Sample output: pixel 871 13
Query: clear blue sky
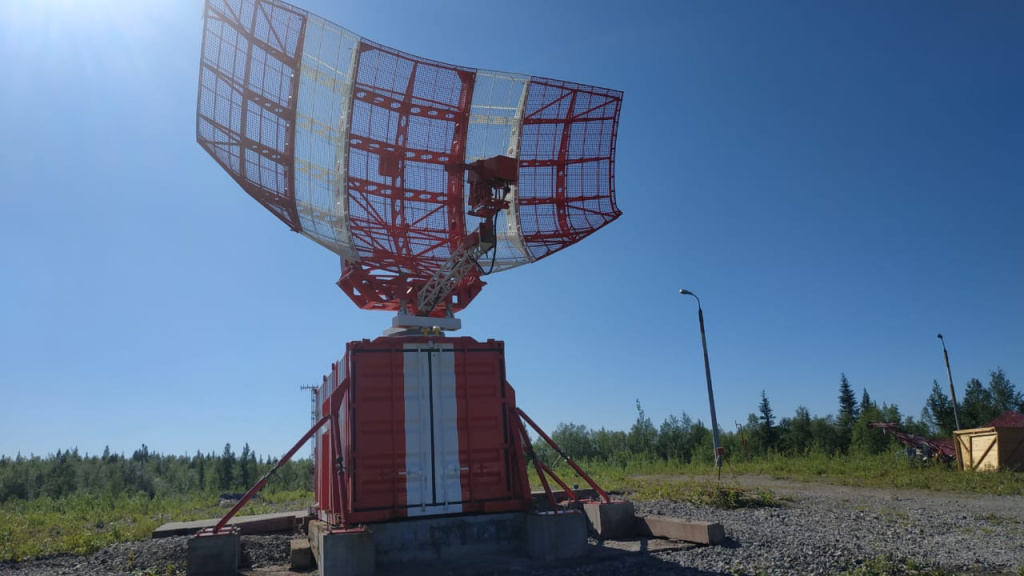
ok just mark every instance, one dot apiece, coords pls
pixel 838 181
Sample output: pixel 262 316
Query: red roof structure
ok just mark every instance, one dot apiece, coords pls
pixel 1008 419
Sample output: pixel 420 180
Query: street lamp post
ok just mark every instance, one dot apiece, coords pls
pixel 952 391
pixel 707 373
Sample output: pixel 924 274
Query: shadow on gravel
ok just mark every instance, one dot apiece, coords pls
pixel 648 557
pixel 642 556
pixel 729 543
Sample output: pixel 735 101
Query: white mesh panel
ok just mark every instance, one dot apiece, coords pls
pixel 495 121
pixel 325 91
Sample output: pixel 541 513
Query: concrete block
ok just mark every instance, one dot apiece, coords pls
pixel 676 529
pixel 347 553
pixel 551 536
pixel 302 555
pixel 316 528
pixel 214 555
pixel 611 519
pixel 258 524
pixel 449 538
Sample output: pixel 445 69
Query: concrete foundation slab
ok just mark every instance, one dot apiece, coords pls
pixel 640 545
pixel 542 504
pixel 216 555
pixel 449 537
pixel 347 553
pixel 611 519
pixel 551 536
pixel 256 524
pixel 665 527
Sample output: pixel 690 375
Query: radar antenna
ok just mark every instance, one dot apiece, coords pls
pixel 423 177
pixel 389 159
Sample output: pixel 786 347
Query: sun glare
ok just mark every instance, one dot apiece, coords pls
pixel 83 33
pixel 83 13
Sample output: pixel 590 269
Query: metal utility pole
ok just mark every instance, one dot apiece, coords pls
pixel 952 391
pixel 719 451
pixel 312 414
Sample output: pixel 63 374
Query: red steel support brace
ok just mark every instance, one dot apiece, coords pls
pixel 588 479
pixel 263 481
pixel 537 464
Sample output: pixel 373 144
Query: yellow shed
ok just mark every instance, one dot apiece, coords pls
pixel 998 445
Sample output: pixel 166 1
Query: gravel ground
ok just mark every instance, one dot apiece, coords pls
pixel 159 557
pixel 816 529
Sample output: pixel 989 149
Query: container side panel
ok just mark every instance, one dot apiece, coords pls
pixel 519 481
pixel 485 446
pixel 377 428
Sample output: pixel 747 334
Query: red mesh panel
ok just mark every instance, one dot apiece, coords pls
pixel 409 119
pixel 566 163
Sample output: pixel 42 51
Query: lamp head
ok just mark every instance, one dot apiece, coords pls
pixel 684 292
pixel 940 336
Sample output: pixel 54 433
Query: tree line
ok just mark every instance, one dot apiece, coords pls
pixel 678 438
pixel 682 439
pixel 979 405
pixel 155 475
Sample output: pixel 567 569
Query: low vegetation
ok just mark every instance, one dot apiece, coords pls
pixel 70 503
pixel 839 449
pixel 698 483
pixel 82 524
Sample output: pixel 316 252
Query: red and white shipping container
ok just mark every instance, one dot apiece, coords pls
pixel 426 426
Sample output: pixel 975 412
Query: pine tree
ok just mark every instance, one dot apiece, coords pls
pixel 767 422
pixel 200 463
pixel 977 408
pixel 798 438
pixel 865 401
pixel 848 412
pixel 643 436
pixel 847 399
pixel 1004 394
pixel 940 411
pixel 245 468
pixel 227 468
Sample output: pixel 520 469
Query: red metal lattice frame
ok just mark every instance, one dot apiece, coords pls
pixel 566 163
pixel 247 93
pixel 409 120
pixel 381 178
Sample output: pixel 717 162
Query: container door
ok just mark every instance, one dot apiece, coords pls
pixel 419 482
pixel 432 470
pixel 447 465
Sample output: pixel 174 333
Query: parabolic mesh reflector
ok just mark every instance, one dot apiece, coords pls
pixel 364 148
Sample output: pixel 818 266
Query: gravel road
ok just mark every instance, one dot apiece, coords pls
pixel 816 529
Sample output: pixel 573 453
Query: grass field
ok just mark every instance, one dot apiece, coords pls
pixel 639 478
pixel 81 524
